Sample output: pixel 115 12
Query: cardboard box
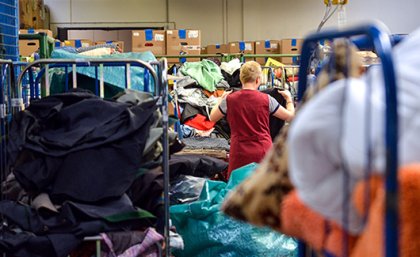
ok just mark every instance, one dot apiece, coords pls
pixel 32 14
pixel 267 47
pixel 203 50
pixel 38 14
pixel 217 49
pixel 25 14
pixel 119 44
pixel 78 43
pixel 35 31
pixel 183 42
pixel 28 47
pixel 149 40
pixel 247 47
pixel 290 46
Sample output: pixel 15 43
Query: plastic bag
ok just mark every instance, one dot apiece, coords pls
pixel 207 232
pixel 186 189
pixel 112 75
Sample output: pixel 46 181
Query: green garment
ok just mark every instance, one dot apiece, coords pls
pixel 206 73
pixel 207 232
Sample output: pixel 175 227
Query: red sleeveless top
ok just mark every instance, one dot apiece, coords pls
pixel 248 116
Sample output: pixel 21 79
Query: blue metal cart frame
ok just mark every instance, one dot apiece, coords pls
pixel 373 35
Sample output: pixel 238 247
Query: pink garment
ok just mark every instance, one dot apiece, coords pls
pixel 147 248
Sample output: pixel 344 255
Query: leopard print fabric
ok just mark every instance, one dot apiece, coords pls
pixel 258 199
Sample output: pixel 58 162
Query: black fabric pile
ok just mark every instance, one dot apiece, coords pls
pixel 234 79
pixel 275 123
pixel 84 153
pixel 151 182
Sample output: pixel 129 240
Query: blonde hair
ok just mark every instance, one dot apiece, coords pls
pixel 250 71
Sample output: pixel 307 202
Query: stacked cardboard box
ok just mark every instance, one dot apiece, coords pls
pixel 266 47
pixel 28 47
pixel 149 40
pixel 291 46
pixel 217 49
pixel 183 42
pixel 247 47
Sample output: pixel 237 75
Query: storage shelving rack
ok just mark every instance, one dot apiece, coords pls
pixel 9 29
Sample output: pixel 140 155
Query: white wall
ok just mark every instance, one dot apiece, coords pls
pixel 199 14
pixel 284 18
pixel 231 20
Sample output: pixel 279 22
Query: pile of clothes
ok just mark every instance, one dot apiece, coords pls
pixel 73 159
pixel 198 86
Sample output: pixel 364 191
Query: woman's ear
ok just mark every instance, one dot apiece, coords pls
pixel 258 80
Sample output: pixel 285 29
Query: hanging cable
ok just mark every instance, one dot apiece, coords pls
pixel 327 16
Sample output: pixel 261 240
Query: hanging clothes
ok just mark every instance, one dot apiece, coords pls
pixel 338 126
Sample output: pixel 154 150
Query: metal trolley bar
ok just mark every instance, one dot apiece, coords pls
pixel 54 63
pixel 6 74
pixel 159 76
pixel 380 40
pixel 163 77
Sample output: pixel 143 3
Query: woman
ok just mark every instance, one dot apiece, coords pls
pixel 248 112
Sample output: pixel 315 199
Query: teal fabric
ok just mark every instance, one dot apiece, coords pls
pixel 207 232
pixel 58 82
pixel 206 73
pixel 112 75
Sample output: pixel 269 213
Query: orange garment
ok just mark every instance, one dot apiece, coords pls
pixel 371 242
pixel 307 225
pixel 216 93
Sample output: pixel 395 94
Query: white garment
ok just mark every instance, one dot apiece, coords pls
pixel 232 66
pixel 331 129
